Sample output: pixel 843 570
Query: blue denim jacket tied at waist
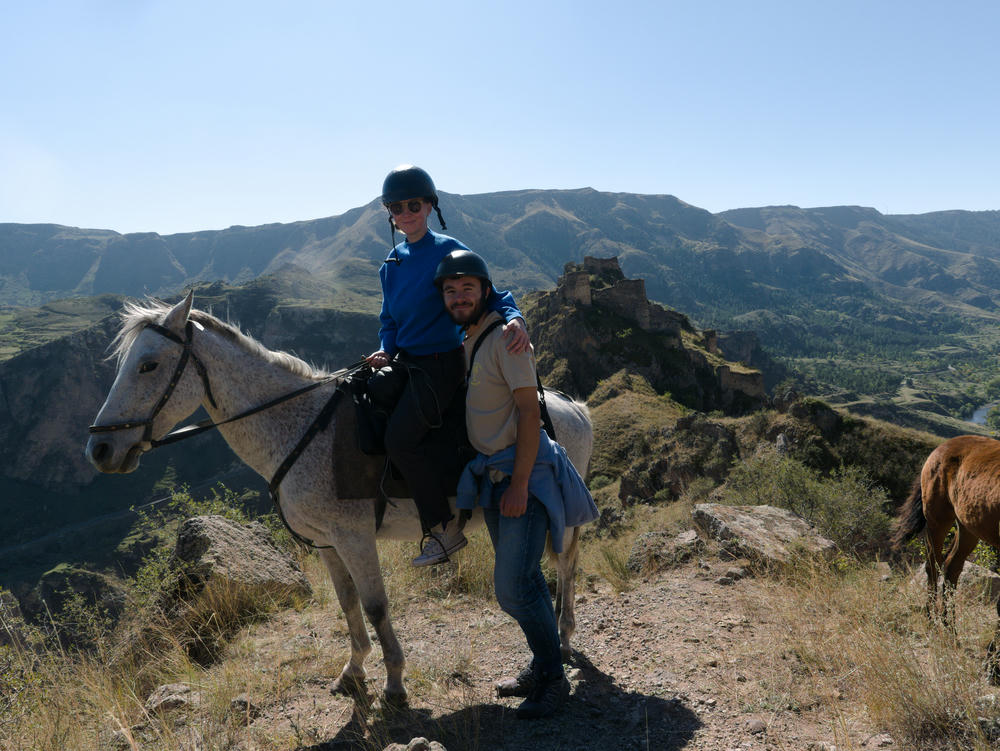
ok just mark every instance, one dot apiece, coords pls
pixel 554 481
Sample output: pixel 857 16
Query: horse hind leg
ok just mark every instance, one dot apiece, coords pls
pixel 965 542
pixel 565 605
pixel 937 526
pixel 351 680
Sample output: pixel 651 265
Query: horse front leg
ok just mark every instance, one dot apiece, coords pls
pixel 360 555
pixel 351 680
pixel 565 605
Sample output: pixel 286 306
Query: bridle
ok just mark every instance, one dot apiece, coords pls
pixel 320 423
pixel 186 354
pixel 190 431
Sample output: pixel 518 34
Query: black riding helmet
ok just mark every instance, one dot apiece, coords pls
pixel 462 263
pixel 407 181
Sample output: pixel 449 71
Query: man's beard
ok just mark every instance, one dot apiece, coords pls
pixel 469 316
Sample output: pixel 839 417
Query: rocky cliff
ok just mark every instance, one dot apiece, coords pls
pixel 596 323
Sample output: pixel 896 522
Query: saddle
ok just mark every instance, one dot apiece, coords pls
pixel 361 427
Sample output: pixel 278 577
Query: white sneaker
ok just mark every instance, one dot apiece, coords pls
pixel 438 546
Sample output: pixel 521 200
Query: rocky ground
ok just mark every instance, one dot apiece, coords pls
pixel 690 658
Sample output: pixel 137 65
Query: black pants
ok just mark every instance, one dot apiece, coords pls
pixel 421 388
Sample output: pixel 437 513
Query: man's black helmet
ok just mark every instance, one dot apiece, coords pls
pixel 407 181
pixel 462 263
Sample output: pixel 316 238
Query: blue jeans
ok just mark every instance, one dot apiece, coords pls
pixel 520 585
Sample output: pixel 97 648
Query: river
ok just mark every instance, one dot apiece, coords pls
pixel 979 416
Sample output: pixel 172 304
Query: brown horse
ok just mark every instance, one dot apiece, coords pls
pixel 959 485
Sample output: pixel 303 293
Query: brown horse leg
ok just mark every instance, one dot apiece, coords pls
pixel 940 517
pixel 934 541
pixel 965 543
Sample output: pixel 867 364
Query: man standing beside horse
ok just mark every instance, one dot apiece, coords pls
pixel 527 486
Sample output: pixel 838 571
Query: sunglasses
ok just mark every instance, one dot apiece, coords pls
pixel 413 206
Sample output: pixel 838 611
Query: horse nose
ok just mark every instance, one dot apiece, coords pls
pixel 98 452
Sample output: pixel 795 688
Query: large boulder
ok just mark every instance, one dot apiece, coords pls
pixel 241 557
pixel 766 534
pixel 83 605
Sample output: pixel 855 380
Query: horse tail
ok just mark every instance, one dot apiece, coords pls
pixel 911 517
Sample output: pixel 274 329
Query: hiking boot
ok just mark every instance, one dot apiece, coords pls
pixel 545 699
pixel 521 686
pixel 438 546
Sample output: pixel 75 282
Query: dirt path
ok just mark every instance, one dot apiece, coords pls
pixel 686 660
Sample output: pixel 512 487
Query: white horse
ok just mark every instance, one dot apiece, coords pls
pixel 233 373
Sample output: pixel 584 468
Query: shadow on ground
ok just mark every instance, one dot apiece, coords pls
pixel 599 714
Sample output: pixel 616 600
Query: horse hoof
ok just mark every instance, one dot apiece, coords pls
pixel 352 686
pixel 395 701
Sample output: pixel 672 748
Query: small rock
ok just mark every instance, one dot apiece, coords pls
pixel 756 726
pixel 879 741
pixel 574 674
pixel 241 707
pixel 170 697
pixel 417 744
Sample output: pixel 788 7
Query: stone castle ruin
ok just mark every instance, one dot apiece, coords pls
pixel 698 371
pixel 600 281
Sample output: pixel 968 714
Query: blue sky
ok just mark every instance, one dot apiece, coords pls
pixel 148 115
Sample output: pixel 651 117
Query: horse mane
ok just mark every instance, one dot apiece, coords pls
pixel 135 315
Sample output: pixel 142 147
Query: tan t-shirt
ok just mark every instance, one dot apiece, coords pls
pixel 490 411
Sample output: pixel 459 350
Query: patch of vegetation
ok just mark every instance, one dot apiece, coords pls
pixel 847 507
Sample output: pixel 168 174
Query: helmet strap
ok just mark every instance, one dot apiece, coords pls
pixel 393 255
pixel 440 218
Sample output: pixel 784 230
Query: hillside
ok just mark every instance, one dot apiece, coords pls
pixel 852 300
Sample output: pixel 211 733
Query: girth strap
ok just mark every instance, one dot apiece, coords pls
pixel 321 423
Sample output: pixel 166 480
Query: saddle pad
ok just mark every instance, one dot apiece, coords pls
pixel 358 475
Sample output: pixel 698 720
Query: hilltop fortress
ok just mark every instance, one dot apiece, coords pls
pixel 596 322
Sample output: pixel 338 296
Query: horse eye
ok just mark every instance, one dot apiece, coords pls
pixel 147 367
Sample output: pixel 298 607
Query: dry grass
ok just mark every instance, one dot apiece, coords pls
pixel 839 641
pixel 852 643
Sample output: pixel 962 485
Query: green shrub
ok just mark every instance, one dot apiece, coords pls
pixel 599 481
pixel 846 507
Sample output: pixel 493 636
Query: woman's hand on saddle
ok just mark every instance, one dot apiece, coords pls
pixel 378 359
pixel 516 333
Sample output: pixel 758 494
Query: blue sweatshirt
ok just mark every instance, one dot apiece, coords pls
pixel 413 315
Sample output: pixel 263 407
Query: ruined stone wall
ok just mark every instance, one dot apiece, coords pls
pixel 751 384
pixel 603 266
pixel 627 298
pixel 574 287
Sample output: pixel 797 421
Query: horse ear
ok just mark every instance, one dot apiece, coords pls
pixel 178 315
